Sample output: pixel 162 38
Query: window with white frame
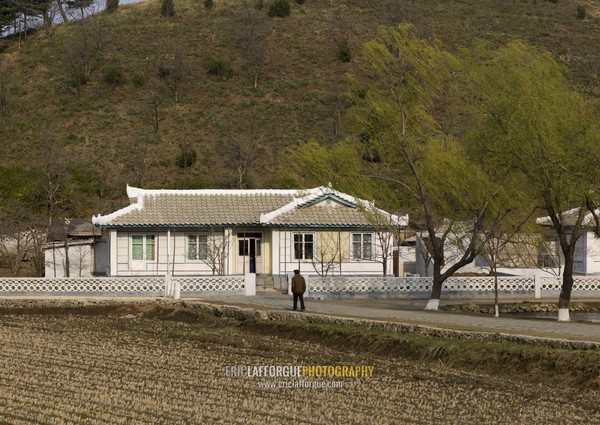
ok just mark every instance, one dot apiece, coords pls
pixel 304 246
pixel 143 247
pixel 197 247
pixel 362 246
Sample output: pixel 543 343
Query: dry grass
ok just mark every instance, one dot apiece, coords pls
pixel 105 369
pixel 107 132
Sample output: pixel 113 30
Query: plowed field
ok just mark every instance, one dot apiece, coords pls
pixel 117 368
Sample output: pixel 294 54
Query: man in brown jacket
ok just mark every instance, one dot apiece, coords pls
pixel 298 289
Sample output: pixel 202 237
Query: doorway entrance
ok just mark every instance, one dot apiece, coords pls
pixel 249 259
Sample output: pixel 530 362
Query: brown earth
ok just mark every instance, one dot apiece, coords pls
pixel 166 364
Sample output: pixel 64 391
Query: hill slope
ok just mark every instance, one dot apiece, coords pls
pixel 132 97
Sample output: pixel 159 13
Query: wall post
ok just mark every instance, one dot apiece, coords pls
pixel 250 284
pixel 168 283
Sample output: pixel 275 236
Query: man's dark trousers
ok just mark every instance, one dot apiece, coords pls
pixel 301 297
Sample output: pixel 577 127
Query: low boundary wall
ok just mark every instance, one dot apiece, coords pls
pixel 317 287
pixel 154 286
pixel 460 287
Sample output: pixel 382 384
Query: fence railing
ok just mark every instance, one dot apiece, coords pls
pixel 169 286
pixel 401 287
pixel 419 287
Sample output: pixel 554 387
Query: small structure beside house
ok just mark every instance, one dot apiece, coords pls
pixel 586 260
pixel 82 242
pixel 522 255
pixel 227 232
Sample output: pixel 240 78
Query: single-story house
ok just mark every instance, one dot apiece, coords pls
pixel 272 232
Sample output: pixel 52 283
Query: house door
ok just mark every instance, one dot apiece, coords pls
pixel 249 258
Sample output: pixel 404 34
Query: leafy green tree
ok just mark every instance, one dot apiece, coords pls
pixel 404 149
pixel 529 123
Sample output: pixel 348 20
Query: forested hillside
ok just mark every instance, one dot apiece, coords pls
pixel 213 97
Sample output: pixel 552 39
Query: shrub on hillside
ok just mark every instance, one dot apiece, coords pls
pixel 168 8
pixel 219 67
pixel 344 52
pixel 112 6
pixel 114 75
pixel 300 1
pixel 208 4
pixel 164 71
pixel 186 157
pixel 138 80
pixel 279 8
pixel 581 12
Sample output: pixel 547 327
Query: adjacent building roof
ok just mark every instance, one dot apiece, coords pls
pixel 569 218
pixel 73 228
pixel 318 207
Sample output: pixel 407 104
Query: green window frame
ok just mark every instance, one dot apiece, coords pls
pixel 143 247
pixel 304 244
pixel 197 247
pixel 362 246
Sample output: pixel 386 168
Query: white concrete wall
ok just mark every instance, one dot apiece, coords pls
pixel 81 261
pixel 592 257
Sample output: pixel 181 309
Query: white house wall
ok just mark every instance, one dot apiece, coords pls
pixel 284 263
pixel 581 255
pixel 175 261
pixel 592 257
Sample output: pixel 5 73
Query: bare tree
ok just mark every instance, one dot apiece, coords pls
pixel 341 30
pixel 81 258
pixel 54 182
pixel 139 158
pixel 244 154
pixel 502 241
pixel 82 52
pixel 328 254
pixel 37 254
pixel 217 249
pixel 173 67
pixel 387 231
pixel 61 9
pixel 5 78
pixel 15 235
pixel 255 32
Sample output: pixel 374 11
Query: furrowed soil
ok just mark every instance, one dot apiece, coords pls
pixel 170 365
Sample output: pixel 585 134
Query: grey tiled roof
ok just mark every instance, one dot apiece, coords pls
pixel 338 216
pixel 237 208
pixel 182 210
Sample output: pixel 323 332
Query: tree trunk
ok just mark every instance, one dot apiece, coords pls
pixel 61 9
pixel 565 292
pixel 436 287
pixel 496 307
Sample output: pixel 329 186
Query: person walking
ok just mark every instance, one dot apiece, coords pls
pixel 298 289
